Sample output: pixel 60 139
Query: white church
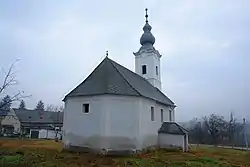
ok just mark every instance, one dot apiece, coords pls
pixel 116 110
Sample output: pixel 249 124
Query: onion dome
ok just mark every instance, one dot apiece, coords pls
pixel 147 37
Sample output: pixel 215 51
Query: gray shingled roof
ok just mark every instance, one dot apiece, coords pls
pixel 172 128
pixel 41 125
pixel 110 77
pixel 33 116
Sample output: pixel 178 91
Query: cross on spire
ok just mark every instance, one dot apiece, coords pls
pixel 107 53
pixel 146 14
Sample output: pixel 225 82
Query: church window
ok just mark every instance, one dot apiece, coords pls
pixel 161 115
pixel 156 70
pixel 152 114
pixel 144 69
pixel 170 115
pixel 85 108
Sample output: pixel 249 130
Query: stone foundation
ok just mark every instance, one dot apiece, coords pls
pixel 99 151
pixel 112 152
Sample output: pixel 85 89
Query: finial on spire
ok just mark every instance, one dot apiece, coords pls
pixel 147 37
pixel 107 53
pixel 146 14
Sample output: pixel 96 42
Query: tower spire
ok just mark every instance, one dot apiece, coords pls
pixel 146 10
pixel 147 37
pixel 147 59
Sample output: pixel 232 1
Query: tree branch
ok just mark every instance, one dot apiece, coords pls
pixel 8 81
pixel 16 97
pixel 9 78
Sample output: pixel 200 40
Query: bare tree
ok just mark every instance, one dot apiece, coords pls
pixel 61 108
pixel 196 132
pixel 9 80
pixel 245 133
pixel 213 129
pixel 216 126
pixel 54 108
pixel 232 127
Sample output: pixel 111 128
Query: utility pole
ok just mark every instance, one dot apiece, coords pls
pixel 245 133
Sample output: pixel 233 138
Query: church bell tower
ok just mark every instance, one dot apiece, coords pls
pixel 147 59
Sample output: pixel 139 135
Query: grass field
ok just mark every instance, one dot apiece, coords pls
pixel 47 153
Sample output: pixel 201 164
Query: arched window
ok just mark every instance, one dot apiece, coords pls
pixel 170 115
pixel 162 115
pixel 152 114
pixel 144 69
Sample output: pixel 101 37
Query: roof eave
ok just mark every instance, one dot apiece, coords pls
pixel 98 94
pixel 167 104
pixel 64 99
pixel 160 102
pixel 172 133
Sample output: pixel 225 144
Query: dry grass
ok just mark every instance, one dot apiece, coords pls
pixel 30 143
pixel 48 153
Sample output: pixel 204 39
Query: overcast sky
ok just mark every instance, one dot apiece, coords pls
pixel 205 46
